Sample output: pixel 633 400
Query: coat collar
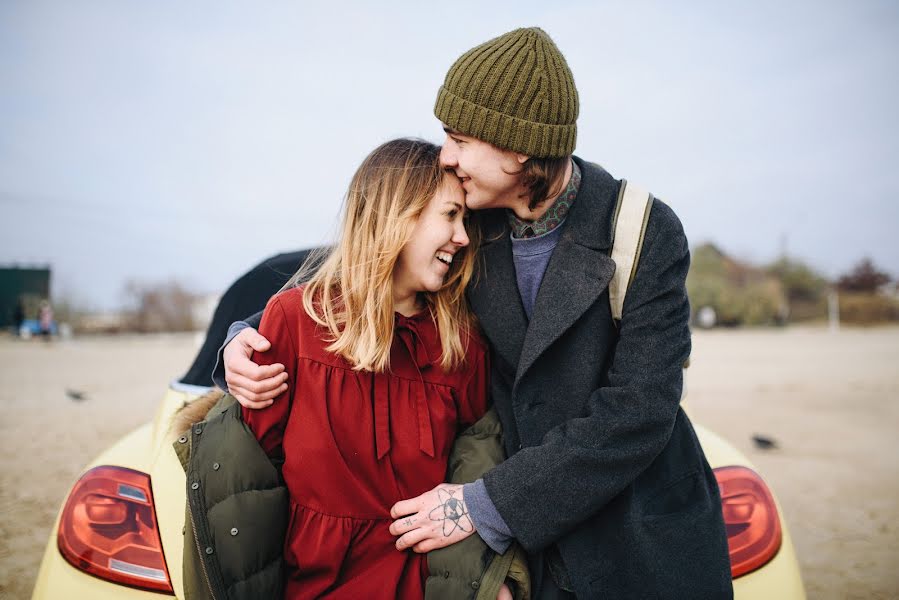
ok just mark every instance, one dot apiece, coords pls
pixel 578 273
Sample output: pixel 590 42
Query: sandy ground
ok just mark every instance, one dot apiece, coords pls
pixel 829 400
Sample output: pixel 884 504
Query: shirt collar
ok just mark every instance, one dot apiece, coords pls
pixel 554 215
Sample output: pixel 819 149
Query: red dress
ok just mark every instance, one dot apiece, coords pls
pixel 355 443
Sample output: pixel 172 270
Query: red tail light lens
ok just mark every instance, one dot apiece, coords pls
pixel 750 518
pixel 108 529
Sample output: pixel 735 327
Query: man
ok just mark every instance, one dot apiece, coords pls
pixel 606 486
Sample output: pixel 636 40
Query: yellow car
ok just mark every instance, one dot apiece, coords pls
pixel 119 533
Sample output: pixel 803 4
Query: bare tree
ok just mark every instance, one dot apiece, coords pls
pixel 864 277
pixel 160 306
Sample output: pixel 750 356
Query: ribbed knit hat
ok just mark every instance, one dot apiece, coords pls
pixel 516 92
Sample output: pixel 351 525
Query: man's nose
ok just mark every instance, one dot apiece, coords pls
pixel 448 156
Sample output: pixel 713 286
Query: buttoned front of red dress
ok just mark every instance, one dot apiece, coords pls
pixel 357 442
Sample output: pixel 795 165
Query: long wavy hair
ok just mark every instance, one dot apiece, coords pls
pixel 349 287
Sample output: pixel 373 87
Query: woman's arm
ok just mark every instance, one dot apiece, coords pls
pixel 253 385
pixel 277 327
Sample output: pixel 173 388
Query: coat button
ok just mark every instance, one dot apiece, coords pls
pixel 198 430
pixel 209 550
pixel 195 486
pixel 446 574
pixel 520 446
pixel 234 531
pixel 182 439
pixel 184 530
pixel 475 585
pixel 215 466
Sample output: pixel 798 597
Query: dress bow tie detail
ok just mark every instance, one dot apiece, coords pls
pixel 406 332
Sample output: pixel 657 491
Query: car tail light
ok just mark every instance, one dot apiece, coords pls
pixel 750 518
pixel 108 529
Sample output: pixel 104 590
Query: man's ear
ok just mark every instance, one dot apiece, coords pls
pixel 522 158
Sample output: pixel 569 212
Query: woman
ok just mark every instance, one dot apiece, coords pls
pixel 384 367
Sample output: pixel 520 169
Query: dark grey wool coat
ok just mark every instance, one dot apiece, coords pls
pixel 603 462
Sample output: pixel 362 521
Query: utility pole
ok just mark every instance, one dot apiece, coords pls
pixel 833 310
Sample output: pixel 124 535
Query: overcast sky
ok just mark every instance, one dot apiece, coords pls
pixel 149 140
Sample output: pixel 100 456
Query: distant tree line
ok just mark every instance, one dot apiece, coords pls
pixel 729 292
pixel 733 292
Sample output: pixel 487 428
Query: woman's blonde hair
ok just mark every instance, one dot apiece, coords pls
pixel 349 290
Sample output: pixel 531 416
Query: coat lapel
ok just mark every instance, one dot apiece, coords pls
pixel 575 279
pixel 580 268
pixel 495 299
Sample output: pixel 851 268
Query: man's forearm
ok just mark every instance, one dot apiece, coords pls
pixel 487 520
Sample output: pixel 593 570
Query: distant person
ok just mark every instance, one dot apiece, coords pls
pixel 45 319
pixel 606 486
pixel 19 316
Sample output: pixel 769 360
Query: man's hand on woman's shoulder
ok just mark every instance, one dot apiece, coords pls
pixel 253 386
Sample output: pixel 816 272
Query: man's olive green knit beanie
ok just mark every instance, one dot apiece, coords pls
pixel 516 92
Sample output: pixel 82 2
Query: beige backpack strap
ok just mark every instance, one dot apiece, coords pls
pixel 629 225
pixel 631 216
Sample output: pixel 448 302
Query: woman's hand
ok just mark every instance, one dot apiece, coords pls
pixel 433 520
pixel 504 593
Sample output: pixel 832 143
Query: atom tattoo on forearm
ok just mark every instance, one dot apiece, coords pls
pixel 452 512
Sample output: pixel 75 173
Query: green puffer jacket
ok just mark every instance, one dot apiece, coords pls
pixel 237 511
